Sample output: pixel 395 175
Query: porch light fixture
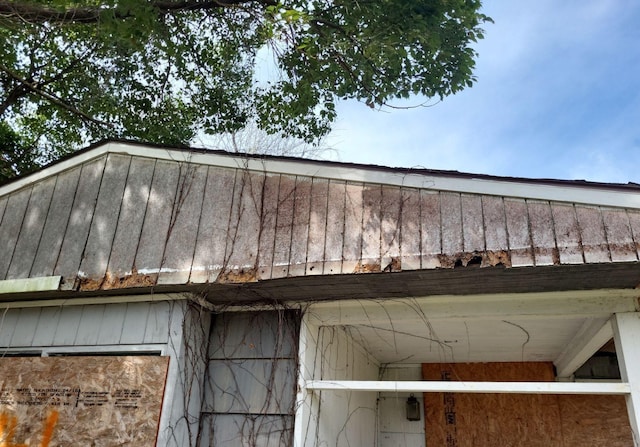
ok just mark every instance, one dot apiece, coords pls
pixel 413 409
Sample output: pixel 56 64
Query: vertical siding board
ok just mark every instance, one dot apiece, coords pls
pixel 284 222
pixel 317 226
pixel 45 332
pixel 3 205
pixel 542 233
pixel 80 219
pixel 67 328
pixel 11 225
pixel 55 223
pixel 132 211
pixel 634 223
pixel 518 230
pixel 495 225
pixel 268 226
pixel 26 325
pixel 431 228
pixel 31 232
pixel 619 236
pixel 214 223
pixel 90 323
pixel 334 239
pixel 410 229
pixel 158 322
pixel 157 220
pixel 105 220
pixel 300 229
pixel 451 216
pixel 592 234
pixel 8 323
pixel 352 247
pixel 390 221
pixel 244 227
pixel 134 324
pixel 112 323
pixel 371 228
pixel 181 242
pixel 472 223
pixel 567 234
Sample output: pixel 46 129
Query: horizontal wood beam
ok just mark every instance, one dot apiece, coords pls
pixel 591 337
pixel 617 388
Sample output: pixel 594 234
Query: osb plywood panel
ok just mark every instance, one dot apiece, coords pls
pixel 519 420
pixel 97 401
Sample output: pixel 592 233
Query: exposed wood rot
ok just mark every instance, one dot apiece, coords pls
pixel 239 276
pixel 367 268
pixel 111 281
pixel 489 258
pixel 394 266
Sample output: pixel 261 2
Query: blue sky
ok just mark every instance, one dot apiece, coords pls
pixel 558 96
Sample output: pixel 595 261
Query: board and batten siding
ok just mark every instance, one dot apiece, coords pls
pixel 120 221
pixel 170 328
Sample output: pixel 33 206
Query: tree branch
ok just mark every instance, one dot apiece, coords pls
pixel 34 87
pixel 26 11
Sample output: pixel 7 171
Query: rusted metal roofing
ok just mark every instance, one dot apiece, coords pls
pixel 122 221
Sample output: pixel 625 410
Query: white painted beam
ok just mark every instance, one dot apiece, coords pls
pixel 617 388
pixel 591 337
pixel 626 332
pixel 558 305
pixel 41 284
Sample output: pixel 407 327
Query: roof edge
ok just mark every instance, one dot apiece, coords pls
pixel 583 192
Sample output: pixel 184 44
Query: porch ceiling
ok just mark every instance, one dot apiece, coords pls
pixel 563 327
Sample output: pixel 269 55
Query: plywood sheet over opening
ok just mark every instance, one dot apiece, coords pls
pixel 518 420
pixel 62 401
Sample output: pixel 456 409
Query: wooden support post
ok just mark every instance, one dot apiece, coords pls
pixel 626 332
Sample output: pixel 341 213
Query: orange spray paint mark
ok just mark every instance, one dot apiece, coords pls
pixel 49 425
pixel 9 423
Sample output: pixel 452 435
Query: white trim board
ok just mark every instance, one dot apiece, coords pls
pixel 616 388
pixel 584 194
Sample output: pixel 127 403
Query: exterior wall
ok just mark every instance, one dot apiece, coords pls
pixel 250 393
pixel 335 418
pixel 395 430
pixel 171 328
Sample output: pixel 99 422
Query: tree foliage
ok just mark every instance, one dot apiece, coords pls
pixel 163 71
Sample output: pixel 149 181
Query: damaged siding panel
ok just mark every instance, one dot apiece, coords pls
pixel 11 226
pixel 241 255
pixel 352 245
pixel 592 234
pixel 410 234
pixel 300 228
pixel 334 239
pixel 430 228
pixel 130 220
pixel 268 226
pixel 617 225
pixel 567 234
pixel 55 224
pixel 157 223
pixel 77 230
pixel 317 226
pixel 371 229
pixel 214 223
pixel 518 231
pixel 543 237
pixel 31 231
pixel 495 231
pixel 181 242
pixel 390 220
pixel 284 223
pixel 105 220
pixel 452 232
pixel 472 223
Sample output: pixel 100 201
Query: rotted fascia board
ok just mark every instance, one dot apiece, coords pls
pixel 30 285
pixel 587 194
